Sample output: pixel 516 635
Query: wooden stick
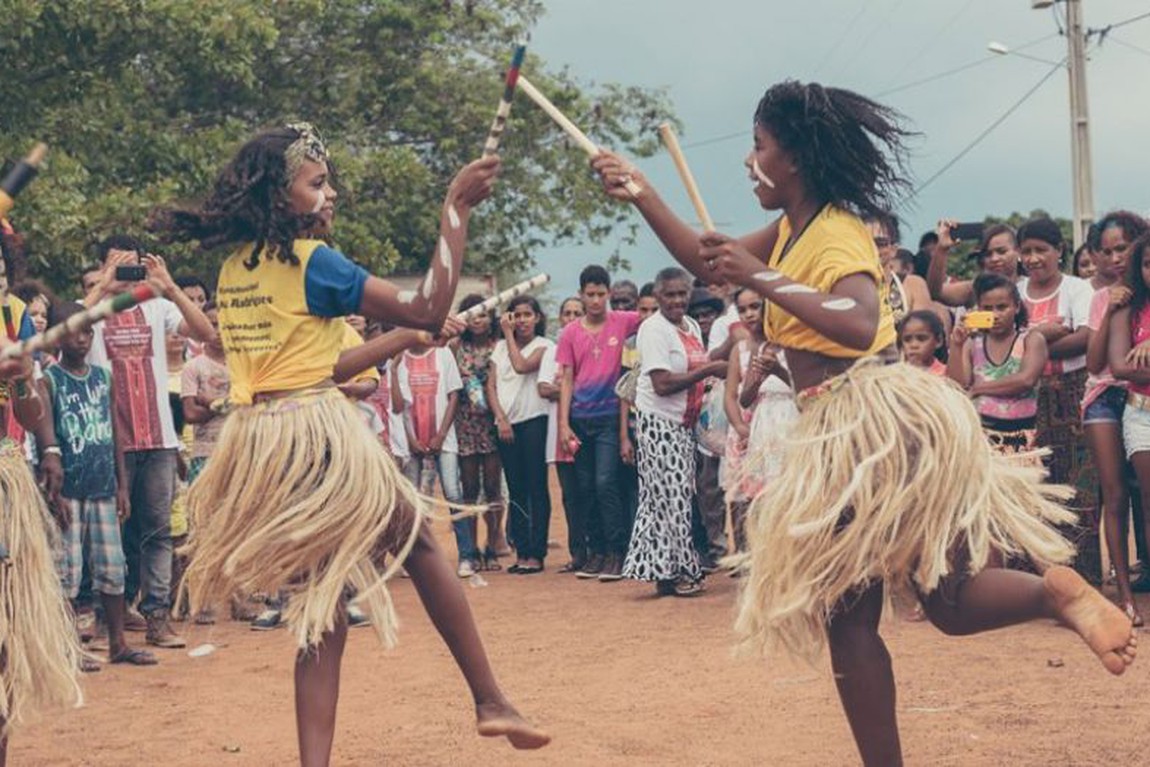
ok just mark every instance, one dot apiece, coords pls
pixel 19 177
pixel 572 130
pixel 671 141
pixel 515 290
pixel 80 321
pixel 496 132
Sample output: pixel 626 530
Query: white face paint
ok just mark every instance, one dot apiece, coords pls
pixel 406 296
pixel 319 202
pixel 452 217
pixel 762 177
pixel 770 275
pixel 429 285
pixel 796 288
pixel 445 255
pixel 839 304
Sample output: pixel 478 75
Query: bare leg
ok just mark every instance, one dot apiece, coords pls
pixel 493 492
pixel 316 696
pixel 446 605
pixel 1105 442
pixel 864 677
pixel 995 598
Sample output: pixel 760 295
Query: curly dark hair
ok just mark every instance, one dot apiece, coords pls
pixel 984 283
pixel 1140 294
pixel 848 148
pixel 249 203
pixel 465 303
pixel 1132 225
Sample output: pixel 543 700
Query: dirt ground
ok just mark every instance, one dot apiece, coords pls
pixel 619 677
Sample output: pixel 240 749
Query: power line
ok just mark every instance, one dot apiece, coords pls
pixel 931 41
pixel 865 44
pixel 1118 24
pixel 978 139
pixel 1125 44
pixel 939 76
pixel 847 30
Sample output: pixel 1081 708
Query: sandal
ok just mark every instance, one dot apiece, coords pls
pixel 1132 613
pixel 516 568
pixel 89 665
pixel 133 656
pixel 685 587
pixel 490 561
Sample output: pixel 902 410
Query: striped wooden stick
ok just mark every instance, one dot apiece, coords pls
pixel 80 320
pixel 492 144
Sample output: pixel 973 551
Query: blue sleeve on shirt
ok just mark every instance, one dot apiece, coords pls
pixel 27 329
pixel 333 285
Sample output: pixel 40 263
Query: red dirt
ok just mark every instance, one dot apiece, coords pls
pixel 618 677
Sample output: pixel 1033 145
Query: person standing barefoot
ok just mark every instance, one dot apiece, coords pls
pixel 930 505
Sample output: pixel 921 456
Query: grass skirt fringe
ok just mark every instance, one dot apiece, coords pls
pixel 886 477
pixel 39 651
pixel 300 495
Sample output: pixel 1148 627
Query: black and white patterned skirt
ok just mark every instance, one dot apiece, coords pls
pixel 661 548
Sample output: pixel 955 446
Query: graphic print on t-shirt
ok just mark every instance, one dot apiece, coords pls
pixel 423 380
pixel 129 346
pixel 83 421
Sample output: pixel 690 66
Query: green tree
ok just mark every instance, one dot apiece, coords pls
pixel 144 100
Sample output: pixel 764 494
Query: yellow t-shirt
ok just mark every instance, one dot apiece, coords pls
pixel 351 339
pixel 835 245
pixel 282 324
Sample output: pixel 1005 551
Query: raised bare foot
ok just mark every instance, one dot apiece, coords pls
pixel 496 720
pixel 1102 625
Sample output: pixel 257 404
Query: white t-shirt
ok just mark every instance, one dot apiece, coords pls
pixel 132 345
pixel 1070 303
pixel 425 380
pixel 661 348
pixel 518 394
pixel 396 433
pixel 721 328
pixel 549 373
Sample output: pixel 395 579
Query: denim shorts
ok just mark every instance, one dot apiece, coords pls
pixel 1107 407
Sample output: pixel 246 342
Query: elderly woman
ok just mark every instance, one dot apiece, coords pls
pixel 668 398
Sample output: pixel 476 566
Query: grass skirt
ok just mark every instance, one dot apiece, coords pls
pixel 887 476
pixel 39 651
pixel 300 495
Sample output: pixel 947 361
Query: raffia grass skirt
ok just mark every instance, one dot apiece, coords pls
pixel 299 495
pixel 886 476
pixel 39 650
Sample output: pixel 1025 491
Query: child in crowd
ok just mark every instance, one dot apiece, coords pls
pixel 1001 367
pixel 758 398
pixel 80 404
pixel 922 340
pixel 429 384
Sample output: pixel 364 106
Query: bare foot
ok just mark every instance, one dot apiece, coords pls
pixel 1102 625
pixel 502 720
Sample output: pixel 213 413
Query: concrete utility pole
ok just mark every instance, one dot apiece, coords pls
pixel 1082 167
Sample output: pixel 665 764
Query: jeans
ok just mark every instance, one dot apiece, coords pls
pixel 597 469
pixel 148 532
pixel 576 523
pixel 524 465
pixel 709 520
pixel 447 467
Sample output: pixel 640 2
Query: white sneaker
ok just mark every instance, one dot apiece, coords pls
pixel 466 569
pixel 268 620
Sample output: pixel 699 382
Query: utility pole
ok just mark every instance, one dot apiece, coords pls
pixel 1082 167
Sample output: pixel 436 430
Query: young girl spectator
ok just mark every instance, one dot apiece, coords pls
pixel 479 464
pixel 1105 400
pixel 1059 307
pixel 1083 266
pixel 557 452
pixel 1001 367
pixel 758 397
pixel 521 418
pixel 1129 357
pixel 674 365
pixel 922 341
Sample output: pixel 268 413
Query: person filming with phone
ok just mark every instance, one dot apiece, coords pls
pixel 132 345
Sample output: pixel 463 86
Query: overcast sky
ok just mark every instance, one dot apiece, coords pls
pixel 716 57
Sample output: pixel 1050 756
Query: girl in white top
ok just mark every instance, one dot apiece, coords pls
pixel 668 398
pixel 521 418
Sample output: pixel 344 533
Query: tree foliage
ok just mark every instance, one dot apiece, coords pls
pixel 143 101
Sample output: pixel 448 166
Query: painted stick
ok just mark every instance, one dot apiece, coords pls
pixel 496 132
pixel 503 297
pixel 671 141
pixel 572 130
pixel 19 177
pixel 80 320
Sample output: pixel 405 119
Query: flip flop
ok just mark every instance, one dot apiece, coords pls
pixel 529 570
pixel 89 665
pixel 515 569
pixel 133 656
